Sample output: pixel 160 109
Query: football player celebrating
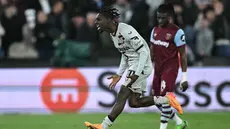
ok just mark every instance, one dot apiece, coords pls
pixel 136 59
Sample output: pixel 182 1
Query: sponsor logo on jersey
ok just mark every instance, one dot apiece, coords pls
pixel 168 36
pixel 161 43
pixel 121 39
pixel 123 48
pixel 139 43
pixel 134 38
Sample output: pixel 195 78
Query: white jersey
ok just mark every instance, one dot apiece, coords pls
pixel 135 51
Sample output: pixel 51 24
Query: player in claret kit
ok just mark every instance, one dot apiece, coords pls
pixel 167 40
pixel 136 59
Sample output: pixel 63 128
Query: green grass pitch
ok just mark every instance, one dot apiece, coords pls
pixel 125 121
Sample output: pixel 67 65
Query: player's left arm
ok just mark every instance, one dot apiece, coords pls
pixel 138 45
pixel 143 56
pixel 181 44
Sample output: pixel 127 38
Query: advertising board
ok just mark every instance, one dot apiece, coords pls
pixel 86 90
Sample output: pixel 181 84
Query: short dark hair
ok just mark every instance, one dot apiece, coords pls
pixel 206 10
pixel 110 12
pixel 166 8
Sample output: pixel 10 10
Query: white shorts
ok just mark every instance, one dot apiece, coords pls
pixel 139 86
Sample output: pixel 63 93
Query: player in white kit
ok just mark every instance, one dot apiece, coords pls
pixel 135 58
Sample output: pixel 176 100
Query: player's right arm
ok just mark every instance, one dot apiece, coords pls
pixel 123 65
pixel 115 78
pixel 151 44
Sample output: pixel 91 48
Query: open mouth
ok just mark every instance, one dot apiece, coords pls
pixel 161 24
pixel 98 27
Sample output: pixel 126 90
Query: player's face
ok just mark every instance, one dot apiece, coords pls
pixel 101 22
pixel 163 19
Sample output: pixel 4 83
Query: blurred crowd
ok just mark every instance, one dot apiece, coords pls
pixel 29 28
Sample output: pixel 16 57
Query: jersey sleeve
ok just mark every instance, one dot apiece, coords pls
pixel 134 39
pixel 137 44
pixel 179 38
pixel 152 36
pixel 123 66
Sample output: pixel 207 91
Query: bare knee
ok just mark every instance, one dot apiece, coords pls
pixel 133 104
pixel 123 94
pixel 134 101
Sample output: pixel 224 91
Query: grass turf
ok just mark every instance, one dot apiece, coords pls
pixel 125 121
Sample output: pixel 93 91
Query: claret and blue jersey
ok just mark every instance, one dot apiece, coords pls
pixel 165 43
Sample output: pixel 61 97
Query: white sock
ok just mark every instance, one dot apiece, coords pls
pixel 106 123
pixel 163 125
pixel 165 115
pixel 177 119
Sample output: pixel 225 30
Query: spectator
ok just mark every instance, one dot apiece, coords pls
pixel 12 24
pixel 2 33
pixel 76 5
pixel 94 40
pixel 3 4
pixel 125 10
pixel 205 41
pixel 208 13
pixel 59 22
pixel 202 4
pixel 220 25
pixel 85 30
pixel 44 5
pixel 44 39
pixel 190 12
pixel 28 28
pixel 140 19
pixel 77 21
pixel 178 15
pixel 200 19
pixel 227 9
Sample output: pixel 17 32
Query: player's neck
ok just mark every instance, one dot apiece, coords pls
pixel 165 26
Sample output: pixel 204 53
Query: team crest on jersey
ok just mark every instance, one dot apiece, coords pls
pixel 168 36
pixel 121 39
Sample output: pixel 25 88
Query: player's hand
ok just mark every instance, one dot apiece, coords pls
pixel 183 86
pixel 133 79
pixel 115 79
pixel 184 82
